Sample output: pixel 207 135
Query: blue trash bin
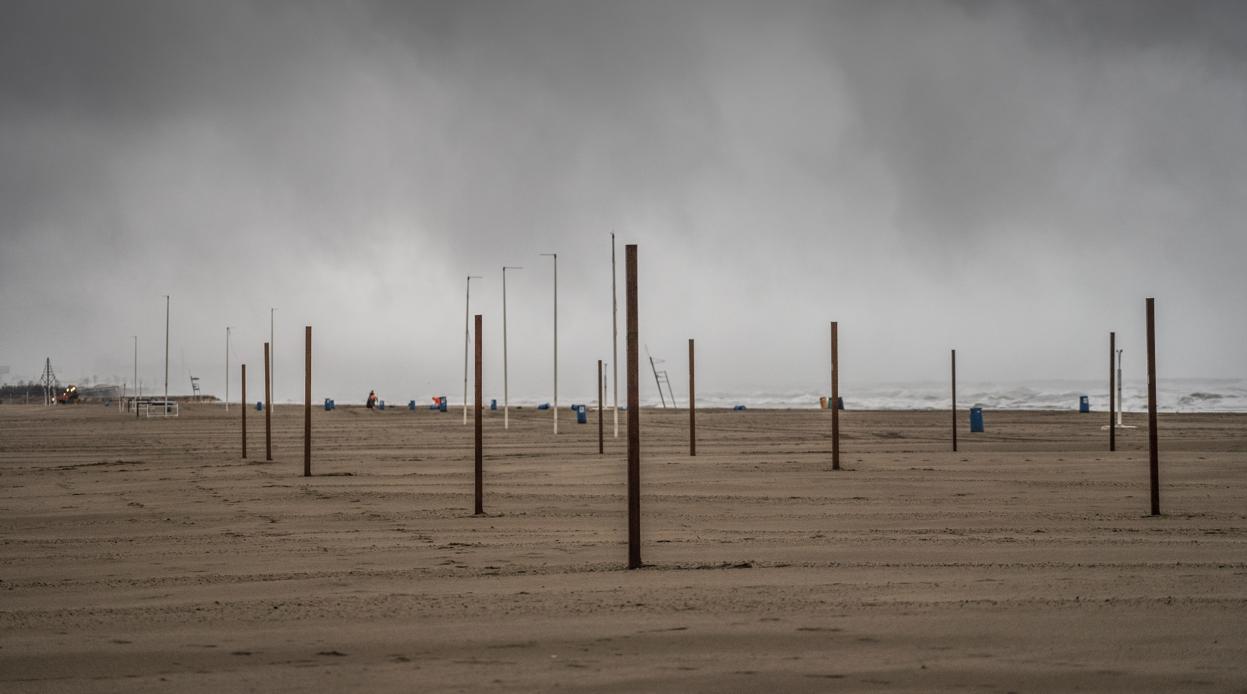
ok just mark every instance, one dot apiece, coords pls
pixel 328 404
pixel 976 420
pixel 493 404
pixel 442 404
pixel 582 414
pixel 259 405
pixel 411 405
pixel 1084 404
pixel 381 405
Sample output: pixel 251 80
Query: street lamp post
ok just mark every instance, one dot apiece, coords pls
pixel 467 301
pixel 506 395
pixel 555 256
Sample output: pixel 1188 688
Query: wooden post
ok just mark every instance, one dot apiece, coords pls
pixel 480 469
pixel 601 443
pixel 634 413
pixel 307 401
pixel 268 407
pixel 1151 405
pixel 835 395
pixel 692 402
pixel 954 401
pixel 244 411
pixel 1112 392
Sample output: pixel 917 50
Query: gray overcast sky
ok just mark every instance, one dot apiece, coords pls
pixel 1011 179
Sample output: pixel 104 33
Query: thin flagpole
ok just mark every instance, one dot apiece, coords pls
pixel 614 336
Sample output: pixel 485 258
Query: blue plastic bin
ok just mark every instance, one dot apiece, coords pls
pixel 1084 404
pixel 443 404
pixel 582 414
pixel 976 420
pixel 493 404
pixel 329 405
pixel 259 405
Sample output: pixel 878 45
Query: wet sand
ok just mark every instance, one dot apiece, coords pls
pixel 146 556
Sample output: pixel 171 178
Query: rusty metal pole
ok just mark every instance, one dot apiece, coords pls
pixel 307 402
pixel 479 416
pixel 835 395
pixel 244 411
pixel 1112 393
pixel 954 401
pixel 1151 405
pixel 601 426
pixel 634 413
pixel 692 402
pixel 268 407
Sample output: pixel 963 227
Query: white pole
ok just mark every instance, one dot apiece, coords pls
pixel 166 405
pixel 137 388
pixel 506 394
pixel 227 368
pixel 555 256
pixel 614 335
pixel 272 355
pixel 466 304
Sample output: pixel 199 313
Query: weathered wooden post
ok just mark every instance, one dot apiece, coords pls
pixel 244 411
pixel 307 402
pixel 480 468
pixel 634 413
pixel 835 395
pixel 1151 405
pixel 1112 393
pixel 692 402
pixel 601 443
pixel 954 401
pixel 268 407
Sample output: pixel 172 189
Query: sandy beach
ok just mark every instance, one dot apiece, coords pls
pixel 145 555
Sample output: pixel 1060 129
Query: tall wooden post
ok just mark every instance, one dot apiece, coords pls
pixel 634 413
pixel 244 411
pixel 479 415
pixel 1151 405
pixel 268 407
pixel 835 395
pixel 954 401
pixel 601 443
pixel 307 401
pixel 1112 393
pixel 692 402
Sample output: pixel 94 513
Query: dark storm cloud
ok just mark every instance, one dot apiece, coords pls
pixel 928 173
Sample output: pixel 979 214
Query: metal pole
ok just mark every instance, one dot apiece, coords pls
pixel 1112 395
pixel 137 389
pixel 166 405
pixel 1154 457
pixel 480 470
pixel 835 395
pixel 271 376
pixel 467 301
pixel 954 401
pixel 307 401
pixel 692 402
pixel 244 411
pixel 601 425
pixel 634 413
pixel 268 407
pixel 506 394
pixel 614 336
pixel 227 368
